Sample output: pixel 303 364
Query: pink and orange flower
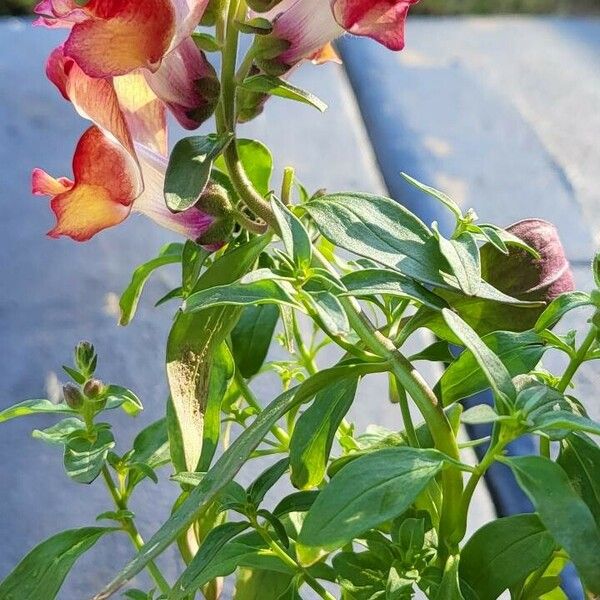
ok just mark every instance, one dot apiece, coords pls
pixel 302 28
pixel 123 63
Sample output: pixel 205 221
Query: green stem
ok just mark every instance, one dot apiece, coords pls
pixel 578 359
pixel 286 185
pixel 132 531
pixel 467 496
pixel 226 119
pixel 574 364
pixel 431 409
pixel 308 361
pixel 290 562
pixel 398 395
pixel 250 398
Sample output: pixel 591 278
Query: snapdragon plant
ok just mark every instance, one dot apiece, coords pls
pixel 377 514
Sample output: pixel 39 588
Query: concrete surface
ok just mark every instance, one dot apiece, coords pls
pixel 57 292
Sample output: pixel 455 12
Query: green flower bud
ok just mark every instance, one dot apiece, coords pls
pixel 596 269
pixel 214 201
pixel 93 389
pixel 85 357
pixel 73 396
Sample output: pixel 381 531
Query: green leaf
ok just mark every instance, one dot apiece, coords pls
pixel 171 253
pixel 293 234
pixel 194 575
pixel 495 372
pixel 331 312
pixel 193 258
pixel 436 352
pixel 206 42
pixel 450 585
pixel 84 458
pixel 265 291
pixel 274 86
pixel 59 433
pixel 251 337
pixel 220 377
pixel 518 352
pixel 389 480
pixel 189 168
pixel 266 480
pixel 257 162
pixel 559 307
pixel 192 341
pixel 503 552
pixel 315 431
pixel 265 585
pixel 229 464
pixel 33 407
pixel 296 502
pixel 580 458
pixel 441 196
pixel 379 229
pixel 151 449
pixel 120 397
pixel 563 512
pixel 492 236
pixel 462 255
pixel 482 413
pixel 371 282
pixel 41 573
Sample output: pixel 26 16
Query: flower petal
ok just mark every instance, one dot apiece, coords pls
pixel 102 193
pixel 187 16
pixel 187 83
pixel 121 36
pixel 306 26
pixel 43 184
pixel 144 112
pixel 58 13
pixel 382 20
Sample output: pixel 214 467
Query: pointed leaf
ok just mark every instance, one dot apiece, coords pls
pixel 293 234
pixel 189 168
pixel 503 553
pixel 563 512
pixel 41 573
pixel 389 479
pixel 33 407
pixel 274 86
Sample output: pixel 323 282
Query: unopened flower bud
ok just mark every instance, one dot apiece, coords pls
pixel 73 396
pixel 596 269
pixel 93 389
pixel 214 201
pixel 85 357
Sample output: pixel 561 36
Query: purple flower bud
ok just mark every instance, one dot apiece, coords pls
pixel 93 389
pixel 73 396
pixel 525 277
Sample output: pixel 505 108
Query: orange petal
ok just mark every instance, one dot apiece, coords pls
pixel 144 112
pixel 93 99
pixel 121 36
pixel 43 184
pixel 104 188
pixel 326 54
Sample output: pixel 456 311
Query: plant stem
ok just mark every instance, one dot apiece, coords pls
pixel 250 398
pixel 398 395
pixel 433 413
pixel 574 364
pixel 308 361
pixel 132 531
pixel 226 119
pixel 578 359
pixel 290 562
